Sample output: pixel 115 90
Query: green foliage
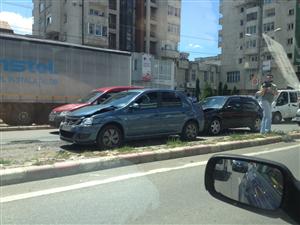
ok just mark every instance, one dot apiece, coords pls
pixel 208 91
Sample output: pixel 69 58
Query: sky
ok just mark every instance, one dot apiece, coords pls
pixel 199 24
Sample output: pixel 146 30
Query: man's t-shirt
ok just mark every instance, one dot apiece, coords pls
pixel 268 96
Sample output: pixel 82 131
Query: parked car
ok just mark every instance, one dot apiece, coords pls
pixel 95 97
pixel 298 117
pixel 239 166
pixel 223 112
pixel 285 105
pixel 134 114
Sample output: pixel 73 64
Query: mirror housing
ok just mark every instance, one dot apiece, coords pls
pixel 287 209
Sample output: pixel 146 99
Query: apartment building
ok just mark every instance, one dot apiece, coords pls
pixel 245 56
pixel 150 26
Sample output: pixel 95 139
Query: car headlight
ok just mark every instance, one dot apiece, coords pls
pixel 63 113
pixel 87 122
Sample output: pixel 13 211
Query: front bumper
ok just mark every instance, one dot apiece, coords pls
pixel 79 134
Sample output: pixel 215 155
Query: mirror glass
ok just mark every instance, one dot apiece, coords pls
pixel 258 185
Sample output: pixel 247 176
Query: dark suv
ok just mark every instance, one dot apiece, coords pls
pixel 223 112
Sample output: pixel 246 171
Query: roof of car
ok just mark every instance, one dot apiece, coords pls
pixel 115 88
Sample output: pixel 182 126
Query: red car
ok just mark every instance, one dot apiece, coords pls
pixel 97 96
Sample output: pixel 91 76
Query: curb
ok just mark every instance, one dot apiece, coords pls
pixel 41 127
pixel 33 173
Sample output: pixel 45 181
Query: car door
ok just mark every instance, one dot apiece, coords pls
pixel 143 118
pixel 172 112
pixel 250 111
pixel 282 104
pixel 232 114
pixel 293 104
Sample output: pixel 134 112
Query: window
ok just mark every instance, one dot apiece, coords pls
pixel 251 30
pixel 290 41
pixel 233 77
pixel 91 27
pixel 104 31
pixel 173 28
pixel 270 12
pixel 42 7
pixel 249 105
pixel 254 58
pixel 96 12
pixel 242 10
pixel 291 12
pixel 65 18
pixel 251 44
pixel 173 11
pixel 48 20
pixel 170 99
pixel 240 60
pixel 242 22
pixel 293 97
pixel 148 101
pixel 235 103
pixel 291 26
pixel 112 21
pixel 290 55
pixel 112 4
pixel 241 35
pixel 205 76
pixel 193 75
pixel 283 99
pixel 241 47
pixel 269 26
pixel 212 77
pixel 98 30
pixel 252 16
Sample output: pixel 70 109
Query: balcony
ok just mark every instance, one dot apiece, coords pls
pixel 251 65
pixel 167 53
pixel 183 64
pixel 251 51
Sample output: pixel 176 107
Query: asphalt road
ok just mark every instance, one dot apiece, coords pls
pixel 162 192
pixel 51 135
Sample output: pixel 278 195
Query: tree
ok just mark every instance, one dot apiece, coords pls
pixel 225 89
pixel 220 88
pixel 208 91
pixel 197 92
pixel 235 91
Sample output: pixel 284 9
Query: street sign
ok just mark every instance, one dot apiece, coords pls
pixel 266 66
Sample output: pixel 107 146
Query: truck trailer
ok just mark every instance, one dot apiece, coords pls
pixel 37 75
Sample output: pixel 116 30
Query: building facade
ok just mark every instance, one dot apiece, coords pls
pixel 129 25
pixel 245 57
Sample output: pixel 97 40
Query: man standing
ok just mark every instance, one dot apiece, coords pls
pixel 267 92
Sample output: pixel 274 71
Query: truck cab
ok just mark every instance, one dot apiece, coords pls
pixel 285 105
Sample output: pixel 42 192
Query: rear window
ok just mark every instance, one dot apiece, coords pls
pixel 170 99
pixel 293 97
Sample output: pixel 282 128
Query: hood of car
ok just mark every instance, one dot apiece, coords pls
pixel 91 110
pixel 69 107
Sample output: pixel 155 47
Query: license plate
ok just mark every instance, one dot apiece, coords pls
pixel 67 127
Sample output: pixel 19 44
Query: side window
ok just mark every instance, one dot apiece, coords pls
pixel 148 101
pixel 293 97
pixel 235 104
pixel 283 99
pixel 170 99
pixel 106 96
pixel 249 105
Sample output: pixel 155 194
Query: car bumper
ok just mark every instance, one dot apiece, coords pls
pixel 55 120
pixel 79 134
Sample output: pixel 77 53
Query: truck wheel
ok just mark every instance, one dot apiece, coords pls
pixel 18 116
pixel 110 137
pixel 277 118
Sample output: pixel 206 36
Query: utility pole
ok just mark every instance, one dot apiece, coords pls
pixel 82 21
pixel 260 39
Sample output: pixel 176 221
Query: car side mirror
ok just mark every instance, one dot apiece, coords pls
pixel 228 107
pixel 134 106
pixel 261 186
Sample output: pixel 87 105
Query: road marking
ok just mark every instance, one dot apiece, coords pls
pixel 120 178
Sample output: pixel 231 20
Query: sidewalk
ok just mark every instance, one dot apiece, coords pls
pixel 70 162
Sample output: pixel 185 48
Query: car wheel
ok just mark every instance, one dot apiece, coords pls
pixel 255 127
pixel 190 131
pixel 215 127
pixel 277 117
pixel 110 137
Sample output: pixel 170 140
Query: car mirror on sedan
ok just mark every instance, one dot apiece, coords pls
pixel 261 186
pixel 134 106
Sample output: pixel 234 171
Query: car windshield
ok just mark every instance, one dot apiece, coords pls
pixel 214 102
pixel 121 99
pixel 90 97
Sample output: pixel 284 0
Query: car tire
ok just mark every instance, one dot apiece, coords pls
pixel 215 127
pixel 255 127
pixel 277 118
pixel 110 137
pixel 190 131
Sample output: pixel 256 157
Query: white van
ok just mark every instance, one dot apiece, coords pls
pixel 285 105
